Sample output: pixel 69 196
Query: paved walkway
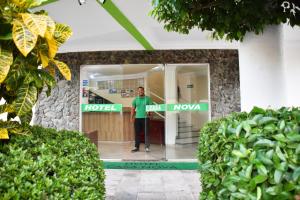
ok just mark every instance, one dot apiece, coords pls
pixel 152 184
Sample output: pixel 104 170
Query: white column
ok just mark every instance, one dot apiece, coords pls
pixel 292 64
pixel 261 70
pixel 171 98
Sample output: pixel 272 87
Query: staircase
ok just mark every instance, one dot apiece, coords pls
pixel 187 134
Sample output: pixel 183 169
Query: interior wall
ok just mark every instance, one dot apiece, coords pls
pixel 155 82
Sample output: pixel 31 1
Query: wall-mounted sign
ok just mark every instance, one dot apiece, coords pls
pixel 85 82
pixel 190 86
pixel 101 107
pixel 177 107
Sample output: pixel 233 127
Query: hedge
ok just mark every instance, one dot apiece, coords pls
pixel 252 155
pixel 48 164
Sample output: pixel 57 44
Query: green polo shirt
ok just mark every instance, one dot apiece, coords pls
pixel 139 103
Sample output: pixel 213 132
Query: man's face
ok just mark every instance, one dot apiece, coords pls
pixel 141 91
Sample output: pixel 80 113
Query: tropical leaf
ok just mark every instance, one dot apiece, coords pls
pixel 47 78
pixel 6 108
pixel 3 133
pixel 51 70
pixel 50 27
pixel 64 69
pixel 25 3
pixel 26 118
pixel 24 39
pixel 26 98
pixel 44 59
pixel 37 24
pixel 52 47
pixel 9 124
pixel 6 59
pixel 62 33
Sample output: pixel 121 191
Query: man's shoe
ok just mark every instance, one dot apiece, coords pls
pixel 147 149
pixel 134 150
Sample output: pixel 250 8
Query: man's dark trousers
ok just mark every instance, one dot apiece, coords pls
pixel 141 125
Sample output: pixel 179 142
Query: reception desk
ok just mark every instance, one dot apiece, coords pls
pixel 116 126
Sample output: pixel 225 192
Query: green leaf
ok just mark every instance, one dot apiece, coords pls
pixel 264 143
pixel 238 195
pixel 6 59
pixel 260 178
pixel 239 154
pixel 9 124
pixel 261 169
pixel 257 110
pixel 280 137
pixel 280 154
pixel 249 171
pixel 278 176
pixel 266 120
pixel 289 186
pixel 26 98
pixel 275 190
pixel 298 149
pixel 259 193
pixel 294 137
pixel 238 130
pixel 246 126
pixel 282 125
pixel 296 174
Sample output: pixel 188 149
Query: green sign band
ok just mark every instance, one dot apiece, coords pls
pixel 101 107
pixel 177 107
pixel 159 165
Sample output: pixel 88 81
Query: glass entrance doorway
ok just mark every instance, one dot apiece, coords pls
pixel 108 95
pixel 177 106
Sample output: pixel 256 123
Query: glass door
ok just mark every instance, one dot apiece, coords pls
pixel 187 102
pixel 114 107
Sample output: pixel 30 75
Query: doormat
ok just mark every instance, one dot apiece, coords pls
pixel 152 165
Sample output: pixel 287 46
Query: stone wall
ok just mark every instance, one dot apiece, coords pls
pixel 61 109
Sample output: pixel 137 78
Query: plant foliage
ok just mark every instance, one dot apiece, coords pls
pixel 230 19
pixel 50 165
pixel 251 156
pixel 28 44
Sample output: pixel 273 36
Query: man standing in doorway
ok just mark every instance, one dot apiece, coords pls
pixel 140 118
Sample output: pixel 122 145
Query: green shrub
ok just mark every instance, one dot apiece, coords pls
pixel 50 165
pixel 251 156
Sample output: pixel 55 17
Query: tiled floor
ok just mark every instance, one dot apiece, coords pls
pixel 152 184
pixel 122 150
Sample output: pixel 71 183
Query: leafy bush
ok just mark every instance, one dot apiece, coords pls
pixel 230 19
pixel 251 156
pixel 29 42
pixel 50 165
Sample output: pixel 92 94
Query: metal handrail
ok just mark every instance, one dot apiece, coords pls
pixel 158 112
pixel 156 95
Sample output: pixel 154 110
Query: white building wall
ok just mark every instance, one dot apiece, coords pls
pixel 261 70
pixel 291 56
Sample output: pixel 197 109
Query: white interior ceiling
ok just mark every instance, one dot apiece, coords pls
pixel 95 30
pixel 113 70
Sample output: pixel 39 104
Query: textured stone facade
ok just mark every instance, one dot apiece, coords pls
pixel 61 109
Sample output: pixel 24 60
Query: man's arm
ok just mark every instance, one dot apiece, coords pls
pixel 132 113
